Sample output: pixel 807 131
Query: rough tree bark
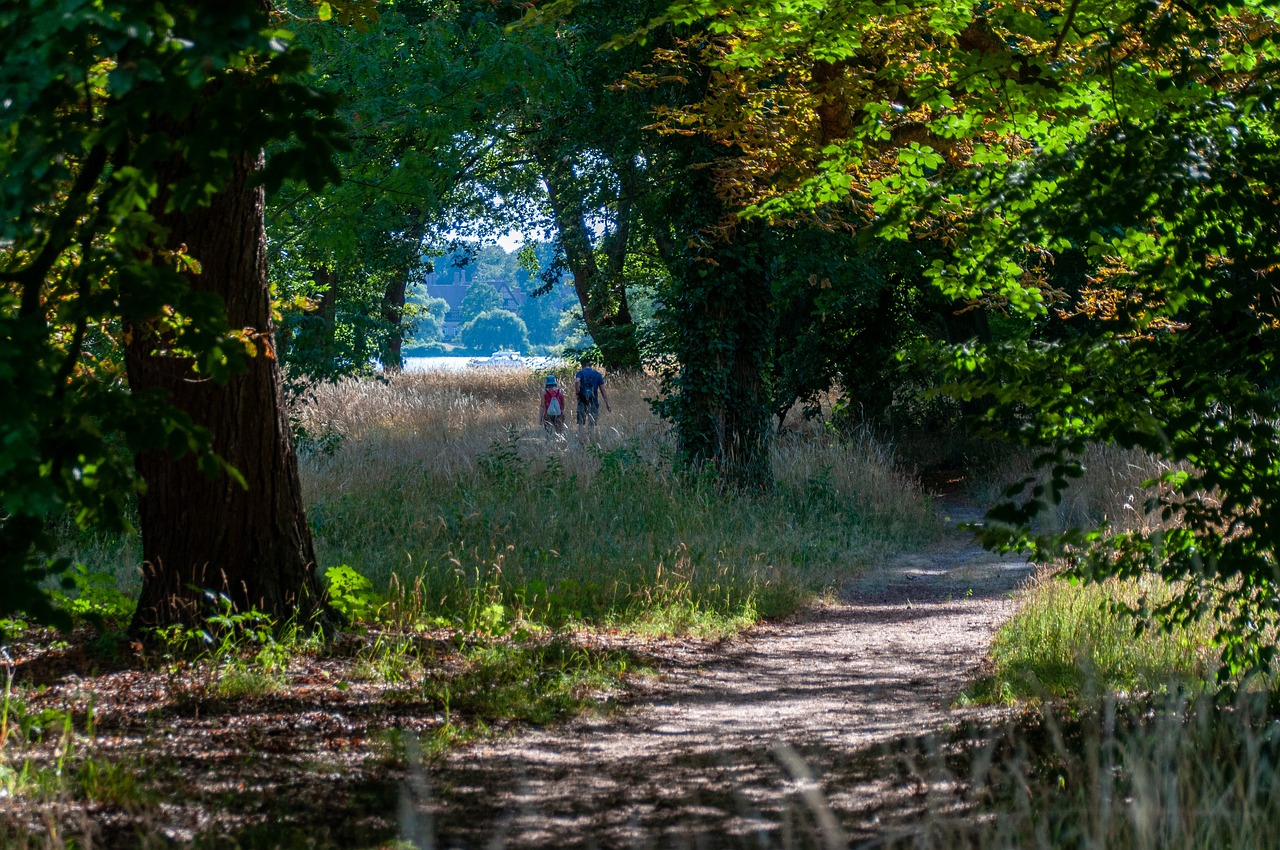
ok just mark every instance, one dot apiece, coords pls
pixel 601 292
pixel 722 411
pixel 201 532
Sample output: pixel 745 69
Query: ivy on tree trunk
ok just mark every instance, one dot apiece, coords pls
pixel 719 398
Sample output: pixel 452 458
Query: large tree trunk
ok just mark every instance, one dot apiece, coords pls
pixel 393 314
pixel 601 292
pixel 327 311
pixel 201 532
pixel 721 407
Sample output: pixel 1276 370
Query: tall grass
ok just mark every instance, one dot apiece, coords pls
pixel 1164 773
pixel 1074 640
pixel 1077 641
pixel 1125 747
pixel 444 489
pixel 1111 490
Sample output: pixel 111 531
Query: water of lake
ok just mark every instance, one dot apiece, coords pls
pixel 455 364
pixel 426 364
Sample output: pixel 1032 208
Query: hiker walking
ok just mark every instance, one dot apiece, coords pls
pixel 588 386
pixel 551 414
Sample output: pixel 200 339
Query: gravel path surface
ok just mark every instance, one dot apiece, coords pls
pixel 770 741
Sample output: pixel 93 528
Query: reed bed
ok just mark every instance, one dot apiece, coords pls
pixel 444 490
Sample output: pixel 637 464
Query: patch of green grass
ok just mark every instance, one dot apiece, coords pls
pixel 41 757
pixel 535 681
pixel 389 658
pixel 236 653
pixel 112 783
pixel 1070 640
pixel 632 544
pixel 246 680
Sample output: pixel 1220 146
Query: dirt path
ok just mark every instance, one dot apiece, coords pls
pixel 767 743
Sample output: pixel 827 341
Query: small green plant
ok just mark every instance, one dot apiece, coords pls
pixel 502 462
pixel 390 658
pixel 239 651
pixel 94 597
pixel 352 595
pixel 324 443
pixel 22 728
pixel 534 680
pixel 13 627
pixel 7 699
pixel 109 782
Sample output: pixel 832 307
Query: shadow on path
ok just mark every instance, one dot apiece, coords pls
pixel 772 742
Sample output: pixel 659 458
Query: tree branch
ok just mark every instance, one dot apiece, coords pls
pixel 31 278
pixel 1067 23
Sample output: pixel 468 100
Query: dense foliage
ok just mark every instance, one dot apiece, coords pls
pixel 99 107
pixel 1134 146
pixel 495 329
pixel 1100 173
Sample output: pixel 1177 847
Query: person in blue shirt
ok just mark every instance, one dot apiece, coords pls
pixel 588 387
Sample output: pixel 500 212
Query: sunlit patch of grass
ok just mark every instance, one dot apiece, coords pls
pixel 443 490
pixel 534 681
pixel 676 619
pixel 1070 639
pixel 247 681
pixel 391 659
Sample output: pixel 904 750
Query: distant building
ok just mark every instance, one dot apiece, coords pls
pixel 452 286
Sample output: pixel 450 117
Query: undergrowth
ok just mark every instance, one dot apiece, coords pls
pixel 1171 771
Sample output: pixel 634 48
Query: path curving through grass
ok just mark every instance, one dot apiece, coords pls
pixel 771 741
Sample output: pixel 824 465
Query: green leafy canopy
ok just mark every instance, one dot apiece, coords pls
pixel 1138 136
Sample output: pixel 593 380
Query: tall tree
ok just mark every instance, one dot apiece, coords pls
pixel 583 129
pixel 241 531
pixel 596 264
pixel 420 86
pixel 142 126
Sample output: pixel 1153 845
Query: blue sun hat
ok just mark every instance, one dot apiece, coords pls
pixel 551 380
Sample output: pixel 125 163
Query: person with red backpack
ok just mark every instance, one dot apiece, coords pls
pixel 552 412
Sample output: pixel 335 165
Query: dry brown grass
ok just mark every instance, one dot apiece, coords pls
pixel 449 474
pixel 1110 490
pixel 442 421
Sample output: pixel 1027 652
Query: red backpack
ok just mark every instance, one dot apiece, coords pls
pixel 553 401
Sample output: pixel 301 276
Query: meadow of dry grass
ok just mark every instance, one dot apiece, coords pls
pixel 445 484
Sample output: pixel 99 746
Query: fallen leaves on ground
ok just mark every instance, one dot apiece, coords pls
pixel 117 744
